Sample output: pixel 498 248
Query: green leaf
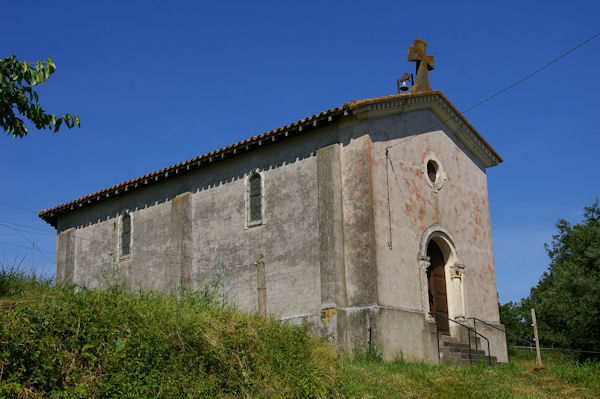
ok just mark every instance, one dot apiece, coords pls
pixel 17 96
pixel 57 125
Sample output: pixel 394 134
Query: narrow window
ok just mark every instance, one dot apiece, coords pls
pixel 125 234
pixel 254 198
pixel 432 171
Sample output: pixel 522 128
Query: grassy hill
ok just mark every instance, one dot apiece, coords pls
pixel 564 378
pixel 64 342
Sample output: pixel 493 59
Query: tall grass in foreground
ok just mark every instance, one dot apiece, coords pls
pixel 62 342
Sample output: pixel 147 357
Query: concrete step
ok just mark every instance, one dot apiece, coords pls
pixel 474 352
pixel 448 338
pixel 460 360
pixel 458 354
pixel 464 341
pixel 455 350
pixel 456 345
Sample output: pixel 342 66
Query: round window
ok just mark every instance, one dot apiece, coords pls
pixel 433 172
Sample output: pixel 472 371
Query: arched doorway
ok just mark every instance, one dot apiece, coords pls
pixel 436 282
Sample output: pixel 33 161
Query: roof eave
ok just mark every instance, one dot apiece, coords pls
pixel 319 120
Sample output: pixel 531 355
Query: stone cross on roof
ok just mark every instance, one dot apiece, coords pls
pixel 418 52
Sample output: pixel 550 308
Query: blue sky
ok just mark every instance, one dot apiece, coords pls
pixel 156 83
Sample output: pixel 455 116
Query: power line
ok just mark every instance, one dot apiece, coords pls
pixel 387 154
pixel 29 231
pixel 443 122
pixel 27 226
pixel 532 73
pixel 26 247
pixel 37 232
pixel 518 82
pixel 34 245
pixel 17 207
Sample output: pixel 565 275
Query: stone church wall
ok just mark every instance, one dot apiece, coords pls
pixel 459 208
pixel 342 238
pixel 189 229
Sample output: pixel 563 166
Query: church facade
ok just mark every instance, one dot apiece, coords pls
pixel 369 221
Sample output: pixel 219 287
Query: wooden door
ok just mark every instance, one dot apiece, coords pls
pixel 436 277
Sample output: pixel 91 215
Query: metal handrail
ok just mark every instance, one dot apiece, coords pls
pixel 469 329
pixel 475 320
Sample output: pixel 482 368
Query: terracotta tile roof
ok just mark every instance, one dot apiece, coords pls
pixel 318 120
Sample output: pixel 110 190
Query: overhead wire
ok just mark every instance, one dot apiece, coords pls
pixel 34 245
pixel 24 246
pixel 523 79
pixel 29 227
pixel 31 231
pixel 443 122
pixel 17 207
pixel 388 158
pixel 518 82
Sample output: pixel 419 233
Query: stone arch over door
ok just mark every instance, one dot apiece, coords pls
pixel 453 269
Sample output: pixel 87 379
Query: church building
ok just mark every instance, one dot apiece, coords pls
pixel 369 221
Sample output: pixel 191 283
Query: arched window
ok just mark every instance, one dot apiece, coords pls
pixel 125 234
pixel 254 199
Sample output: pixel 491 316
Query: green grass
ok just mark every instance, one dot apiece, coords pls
pixel 63 342
pixel 564 378
pixel 66 343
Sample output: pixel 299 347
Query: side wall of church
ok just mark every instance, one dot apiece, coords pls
pixel 192 230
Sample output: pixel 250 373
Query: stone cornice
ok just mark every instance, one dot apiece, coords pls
pixel 442 108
